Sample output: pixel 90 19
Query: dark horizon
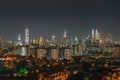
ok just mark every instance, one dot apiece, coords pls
pixel 51 17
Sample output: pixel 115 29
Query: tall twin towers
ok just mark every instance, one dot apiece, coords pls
pixel 95 34
pixel 26 42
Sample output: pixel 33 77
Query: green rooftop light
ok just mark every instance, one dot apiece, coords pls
pixel 22 70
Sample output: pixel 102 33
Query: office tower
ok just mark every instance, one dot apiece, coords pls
pixel 26 36
pixel 36 41
pixel 19 40
pixel 65 39
pixel 97 35
pixel 79 47
pixel 92 34
pixel 67 53
pixel 53 39
pixel 96 32
pixel 65 34
pixel 3 43
pixel 76 41
pixel 54 53
pixel 74 49
pixel 31 41
pixel 41 40
pixel 23 51
pixel 61 53
pixel 41 53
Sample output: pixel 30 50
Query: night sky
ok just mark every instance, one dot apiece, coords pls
pixel 50 17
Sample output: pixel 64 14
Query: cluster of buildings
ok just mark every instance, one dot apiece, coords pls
pixel 67 58
pixel 65 48
pixel 3 44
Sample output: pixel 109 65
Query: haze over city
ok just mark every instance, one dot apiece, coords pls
pixel 51 17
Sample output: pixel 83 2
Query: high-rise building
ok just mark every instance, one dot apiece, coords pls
pixel 65 34
pixel 53 39
pixel 95 35
pixel 65 39
pixel 54 53
pixel 40 53
pixel 19 40
pixel 33 40
pixel 109 38
pixel 41 40
pixel 61 53
pixel 23 51
pixel 76 41
pixel 26 36
pixel 92 34
pixel 36 41
pixel 67 53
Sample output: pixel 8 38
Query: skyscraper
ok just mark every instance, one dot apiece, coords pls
pixel 41 40
pixel 36 41
pixel 19 40
pixel 53 39
pixel 95 35
pixel 65 34
pixel 26 36
pixel 65 38
pixel 92 34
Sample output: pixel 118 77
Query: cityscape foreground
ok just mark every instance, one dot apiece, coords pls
pixel 90 58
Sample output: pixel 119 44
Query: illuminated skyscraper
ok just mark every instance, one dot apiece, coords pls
pixel 92 34
pixel 65 34
pixel 19 40
pixel 53 39
pixel 41 40
pixel 23 51
pixel 26 36
pixel 97 35
pixel 76 41
pixel 36 41
pixel 65 38
pixel 31 41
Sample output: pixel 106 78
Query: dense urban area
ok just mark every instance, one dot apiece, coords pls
pixel 90 58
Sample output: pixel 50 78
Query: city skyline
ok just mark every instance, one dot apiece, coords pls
pixel 47 18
